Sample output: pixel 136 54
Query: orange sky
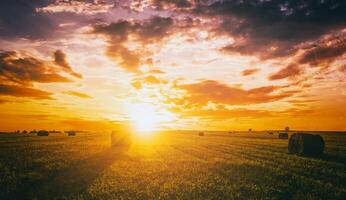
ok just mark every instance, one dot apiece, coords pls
pixel 222 65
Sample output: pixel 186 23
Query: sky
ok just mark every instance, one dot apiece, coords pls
pixel 173 64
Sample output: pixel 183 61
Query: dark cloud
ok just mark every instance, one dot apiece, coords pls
pixel 145 32
pixel 321 54
pixel 271 29
pixel 18 73
pixel 324 51
pixel 216 92
pixel 18 18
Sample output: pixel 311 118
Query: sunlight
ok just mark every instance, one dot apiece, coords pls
pixel 144 118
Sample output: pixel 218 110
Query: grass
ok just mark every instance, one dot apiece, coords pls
pixel 172 165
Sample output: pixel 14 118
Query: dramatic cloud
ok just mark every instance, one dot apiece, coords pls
pixel 216 92
pixel 18 73
pixel 271 29
pixel 18 18
pixel 24 70
pixel 324 51
pixel 149 31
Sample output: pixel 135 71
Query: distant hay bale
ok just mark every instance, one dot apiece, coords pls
pixel 71 133
pixel 283 135
pixel 270 133
pixel 201 133
pixel 120 139
pixel 305 144
pixel 250 129
pixel 42 133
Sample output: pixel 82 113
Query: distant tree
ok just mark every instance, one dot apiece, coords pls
pixel 250 129
pixel 287 128
pixel 24 132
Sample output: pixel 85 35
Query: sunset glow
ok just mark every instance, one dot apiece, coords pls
pixel 215 65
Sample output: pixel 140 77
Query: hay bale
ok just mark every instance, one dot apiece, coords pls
pixel 201 133
pixel 270 133
pixel 42 133
pixel 250 129
pixel 283 135
pixel 71 133
pixel 305 144
pixel 120 139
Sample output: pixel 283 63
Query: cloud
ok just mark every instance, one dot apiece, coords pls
pixel 152 30
pixel 216 92
pixel 224 113
pixel 324 51
pixel 156 71
pixel 60 59
pixel 140 5
pixel 22 91
pixel 248 72
pixel 19 19
pixel 77 6
pixel 271 29
pixel 148 80
pixel 19 72
pixel 3 101
pixel 290 71
pixel 24 70
pixel 78 94
pixel 321 54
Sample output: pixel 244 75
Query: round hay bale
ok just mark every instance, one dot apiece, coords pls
pixel 305 144
pixel 293 144
pixel 71 133
pixel 42 133
pixel 120 139
pixel 283 135
pixel 270 133
pixel 201 133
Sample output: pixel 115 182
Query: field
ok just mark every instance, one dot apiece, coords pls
pixel 171 165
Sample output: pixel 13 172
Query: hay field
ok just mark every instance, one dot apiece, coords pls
pixel 171 165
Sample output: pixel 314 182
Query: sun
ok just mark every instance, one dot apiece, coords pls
pixel 144 118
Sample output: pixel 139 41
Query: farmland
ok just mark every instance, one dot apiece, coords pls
pixel 170 165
